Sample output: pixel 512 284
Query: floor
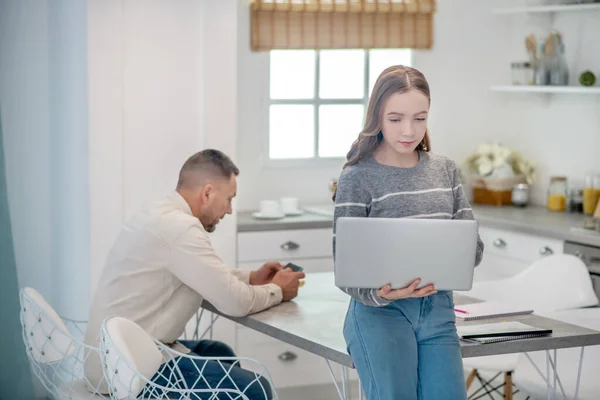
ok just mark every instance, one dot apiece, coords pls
pixel 317 392
pixel 328 392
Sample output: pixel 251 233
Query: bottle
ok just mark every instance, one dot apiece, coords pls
pixel 597 191
pixel 557 193
pixel 558 74
pixel 591 193
pixel 540 69
pixel 576 201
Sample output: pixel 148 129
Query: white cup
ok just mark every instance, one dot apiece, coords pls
pixel 270 208
pixel 289 205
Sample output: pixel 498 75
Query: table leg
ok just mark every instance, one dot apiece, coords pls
pixel 550 364
pixel 213 319
pixel 335 382
pixel 555 368
pixel 360 392
pixel 548 388
pixel 345 382
pixel 579 374
pixel 196 335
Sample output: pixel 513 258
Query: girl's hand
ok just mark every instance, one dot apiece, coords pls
pixel 404 293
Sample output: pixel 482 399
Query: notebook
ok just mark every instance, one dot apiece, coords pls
pixel 500 332
pixel 488 309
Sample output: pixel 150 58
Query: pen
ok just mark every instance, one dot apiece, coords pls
pixel 460 311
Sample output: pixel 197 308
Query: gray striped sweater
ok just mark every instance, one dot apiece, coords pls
pixel 430 189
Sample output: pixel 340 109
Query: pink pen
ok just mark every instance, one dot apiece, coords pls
pixel 460 311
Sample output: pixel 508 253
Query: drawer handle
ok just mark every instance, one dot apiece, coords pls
pixel 499 243
pixel 287 356
pixel 546 251
pixel 290 246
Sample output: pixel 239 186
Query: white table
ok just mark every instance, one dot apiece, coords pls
pixel 314 320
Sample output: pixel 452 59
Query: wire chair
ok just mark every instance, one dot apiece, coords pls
pixel 137 366
pixel 55 349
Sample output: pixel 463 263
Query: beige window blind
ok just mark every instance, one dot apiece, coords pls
pixel 341 24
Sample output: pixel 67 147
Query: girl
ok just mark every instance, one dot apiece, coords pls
pixel 403 341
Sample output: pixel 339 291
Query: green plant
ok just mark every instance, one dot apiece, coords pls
pixel 587 78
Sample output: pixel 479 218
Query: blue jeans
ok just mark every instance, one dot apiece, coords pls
pixel 213 373
pixel 407 350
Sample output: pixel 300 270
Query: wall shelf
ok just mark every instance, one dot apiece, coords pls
pixel 549 8
pixel 548 89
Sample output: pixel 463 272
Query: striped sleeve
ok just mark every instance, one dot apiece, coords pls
pixel 462 209
pixel 352 200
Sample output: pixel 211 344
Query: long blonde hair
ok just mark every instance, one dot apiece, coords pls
pixel 394 79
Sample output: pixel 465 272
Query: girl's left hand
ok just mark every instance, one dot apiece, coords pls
pixel 410 291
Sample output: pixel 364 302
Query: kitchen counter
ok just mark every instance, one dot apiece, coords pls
pixel 530 220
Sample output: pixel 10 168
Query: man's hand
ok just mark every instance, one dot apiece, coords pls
pixel 265 274
pixel 288 281
pixel 404 293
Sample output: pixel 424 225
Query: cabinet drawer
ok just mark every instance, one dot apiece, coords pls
pixel 284 245
pixel 287 365
pixel 324 264
pixel 517 245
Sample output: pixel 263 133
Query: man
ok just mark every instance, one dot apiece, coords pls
pixel 163 265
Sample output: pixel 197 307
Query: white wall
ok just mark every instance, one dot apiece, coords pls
pixel 146 87
pixel 473 49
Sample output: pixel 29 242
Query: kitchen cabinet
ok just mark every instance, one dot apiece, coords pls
pixel 284 245
pixel 508 252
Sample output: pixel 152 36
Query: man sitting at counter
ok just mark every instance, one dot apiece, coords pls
pixel 163 265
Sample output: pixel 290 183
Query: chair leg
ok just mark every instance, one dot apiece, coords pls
pixel 508 386
pixel 471 377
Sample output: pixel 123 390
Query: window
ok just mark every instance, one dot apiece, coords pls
pixel 317 99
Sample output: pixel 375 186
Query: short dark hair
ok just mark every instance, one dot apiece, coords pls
pixel 212 162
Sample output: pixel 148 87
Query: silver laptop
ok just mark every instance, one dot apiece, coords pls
pixel 372 252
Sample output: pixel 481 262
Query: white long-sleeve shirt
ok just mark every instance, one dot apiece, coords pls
pixel 159 270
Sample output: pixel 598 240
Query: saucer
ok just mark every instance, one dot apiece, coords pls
pixel 294 213
pixel 259 215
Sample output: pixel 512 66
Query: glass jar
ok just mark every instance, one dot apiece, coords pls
pixel 591 193
pixel 557 193
pixel 520 195
pixel 522 73
pixel 576 201
pixel 558 73
pixel 540 75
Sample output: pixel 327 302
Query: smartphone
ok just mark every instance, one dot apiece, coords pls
pixel 294 267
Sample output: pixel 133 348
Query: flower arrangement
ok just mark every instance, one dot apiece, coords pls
pixel 500 162
pixel 496 170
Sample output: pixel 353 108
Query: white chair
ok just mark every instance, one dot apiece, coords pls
pixel 528 380
pixel 133 361
pixel 556 282
pixel 56 353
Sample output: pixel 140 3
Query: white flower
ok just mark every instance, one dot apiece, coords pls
pixel 501 155
pixel 484 167
pixel 497 160
pixel 484 149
